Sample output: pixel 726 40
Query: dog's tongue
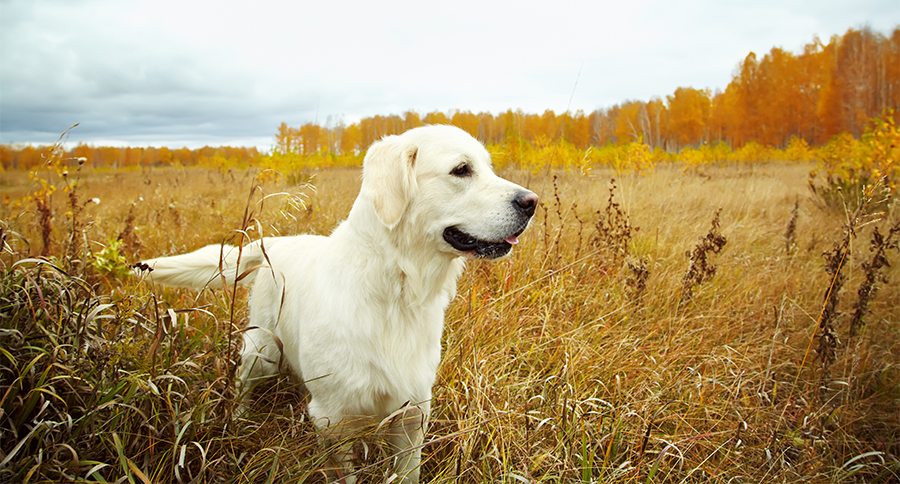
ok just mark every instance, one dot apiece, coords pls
pixel 512 240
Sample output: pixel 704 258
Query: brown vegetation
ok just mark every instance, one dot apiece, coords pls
pixel 567 362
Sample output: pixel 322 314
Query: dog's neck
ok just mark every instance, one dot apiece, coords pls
pixel 422 272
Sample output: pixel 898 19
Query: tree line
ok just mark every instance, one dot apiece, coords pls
pixel 813 95
pixel 28 157
pixel 816 94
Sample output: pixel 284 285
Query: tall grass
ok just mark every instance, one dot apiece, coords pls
pixel 575 360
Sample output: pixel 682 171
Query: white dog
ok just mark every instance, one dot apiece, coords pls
pixel 360 313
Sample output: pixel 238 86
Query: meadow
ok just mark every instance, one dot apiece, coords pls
pixel 673 325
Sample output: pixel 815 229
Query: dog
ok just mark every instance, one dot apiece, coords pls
pixel 358 315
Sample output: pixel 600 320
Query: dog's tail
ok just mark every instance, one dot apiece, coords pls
pixel 213 266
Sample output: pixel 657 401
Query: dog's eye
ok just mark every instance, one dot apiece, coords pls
pixel 462 170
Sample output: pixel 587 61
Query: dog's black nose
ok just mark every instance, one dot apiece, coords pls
pixel 525 202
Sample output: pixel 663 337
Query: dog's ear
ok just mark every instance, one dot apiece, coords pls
pixel 389 178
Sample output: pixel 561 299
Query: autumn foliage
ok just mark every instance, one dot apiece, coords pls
pixel 776 107
pixel 826 89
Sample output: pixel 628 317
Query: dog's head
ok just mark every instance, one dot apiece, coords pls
pixel 438 181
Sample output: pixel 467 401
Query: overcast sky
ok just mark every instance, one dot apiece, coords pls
pixel 194 73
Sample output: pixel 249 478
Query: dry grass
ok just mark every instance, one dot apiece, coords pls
pixel 568 362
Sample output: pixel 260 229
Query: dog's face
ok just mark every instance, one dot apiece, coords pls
pixel 438 181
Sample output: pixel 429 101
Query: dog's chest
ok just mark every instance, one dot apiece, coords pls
pixel 404 350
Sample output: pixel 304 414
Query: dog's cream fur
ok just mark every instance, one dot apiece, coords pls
pixel 360 312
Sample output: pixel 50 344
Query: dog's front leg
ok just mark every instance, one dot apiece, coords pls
pixel 334 433
pixel 406 435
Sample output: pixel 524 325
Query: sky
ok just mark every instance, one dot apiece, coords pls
pixel 194 73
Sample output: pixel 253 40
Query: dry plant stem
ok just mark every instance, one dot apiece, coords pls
pixel 614 230
pixel 54 160
pixel 835 261
pixel 129 235
pixel 551 247
pixel 76 247
pixel 790 234
pixel 45 222
pixel 701 268
pixel 579 237
pixel 827 337
pixel 636 280
pixel 872 269
pixel 248 222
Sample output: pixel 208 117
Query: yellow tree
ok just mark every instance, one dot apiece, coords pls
pixel 489 130
pixel 892 69
pixel 746 109
pixel 811 75
pixel 286 139
pixel 310 139
pixel 778 97
pixel 466 121
pixel 351 140
pixel 828 106
pixel 411 119
pixel 628 125
pixel 689 111
pixel 576 129
pixel 858 79
pixel 436 117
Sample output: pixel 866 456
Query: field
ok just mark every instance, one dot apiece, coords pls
pixel 637 341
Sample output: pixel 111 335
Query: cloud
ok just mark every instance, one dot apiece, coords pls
pixel 213 72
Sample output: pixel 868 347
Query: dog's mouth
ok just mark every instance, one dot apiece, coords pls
pixel 486 249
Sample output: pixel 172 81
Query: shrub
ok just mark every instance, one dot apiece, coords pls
pixel 851 169
pixel 110 259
